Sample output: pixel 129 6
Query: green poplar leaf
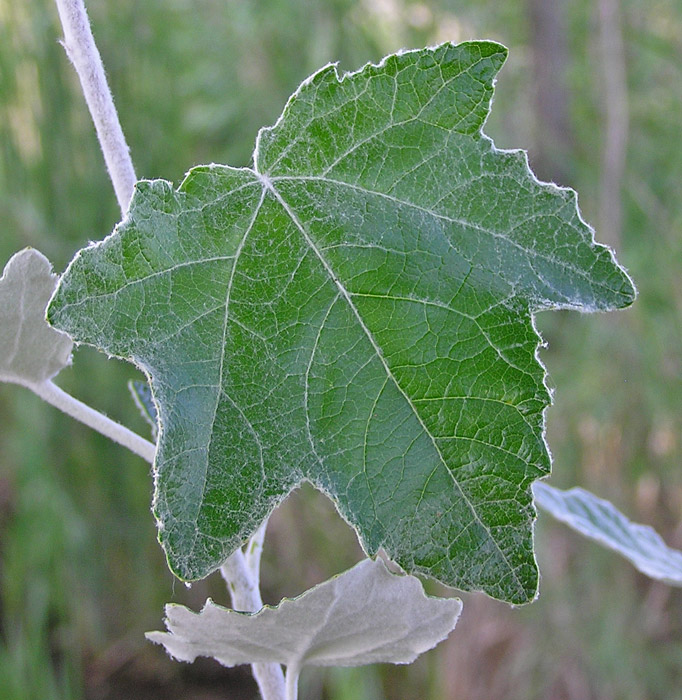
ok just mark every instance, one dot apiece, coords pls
pixel 355 311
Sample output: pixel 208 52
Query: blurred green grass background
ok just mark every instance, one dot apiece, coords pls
pixel 594 91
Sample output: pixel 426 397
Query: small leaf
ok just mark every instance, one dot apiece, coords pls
pixel 601 521
pixel 365 615
pixel 355 311
pixel 142 396
pixel 31 352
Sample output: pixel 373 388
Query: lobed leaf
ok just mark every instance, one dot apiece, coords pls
pixel 355 311
pixel 365 615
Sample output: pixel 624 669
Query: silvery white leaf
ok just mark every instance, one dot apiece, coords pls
pixel 31 352
pixel 601 521
pixel 365 615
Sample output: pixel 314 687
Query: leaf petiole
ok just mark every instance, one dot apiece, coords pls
pixel 52 394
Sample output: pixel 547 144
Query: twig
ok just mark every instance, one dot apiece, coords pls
pixel 77 409
pixel 80 47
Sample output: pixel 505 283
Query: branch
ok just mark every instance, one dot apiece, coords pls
pixel 79 45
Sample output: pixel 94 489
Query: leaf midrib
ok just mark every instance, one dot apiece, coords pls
pixel 460 222
pixel 268 185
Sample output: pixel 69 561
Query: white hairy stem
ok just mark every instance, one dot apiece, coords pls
pixel 57 397
pixel 242 582
pixel 293 672
pixel 81 49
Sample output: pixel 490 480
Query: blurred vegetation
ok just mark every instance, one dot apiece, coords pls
pixel 81 575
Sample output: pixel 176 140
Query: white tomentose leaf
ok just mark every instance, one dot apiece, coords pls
pixel 365 615
pixel 601 521
pixel 31 351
